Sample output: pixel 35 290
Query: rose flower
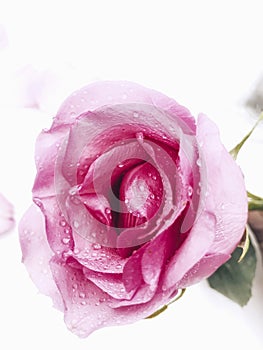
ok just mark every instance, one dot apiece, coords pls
pixel 134 201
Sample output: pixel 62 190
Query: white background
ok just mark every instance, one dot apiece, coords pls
pixel 208 55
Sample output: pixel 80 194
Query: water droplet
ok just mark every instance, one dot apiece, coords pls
pixel 118 266
pixel 65 240
pixel 152 196
pixel 198 162
pixel 83 302
pixel 141 188
pixel 38 202
pixel 126 201
pixel 96 246
pixel 82 295
pixel 190 191
pixel 107 210
pixel 76 224
pixel 120 165
pixel 67 230
pixel 63 223
pixel 76 251
pixel 136 115
pixel 139 136
pixel 154 177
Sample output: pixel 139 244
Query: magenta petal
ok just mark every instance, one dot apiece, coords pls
pixel 141 193
pixel 37 253
pixel 132 274
pixel 7 221
pixel 47 147
pixel 192 250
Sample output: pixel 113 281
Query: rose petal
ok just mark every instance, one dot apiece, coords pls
pixel 111 284
pixel 219 226
pixel 104 93
pixel 47 148
pixel 202 269
pixel 37 253
pixel 7 221
pixel 192 250
pixel 228 198
pixel 141 195
pixel 87 306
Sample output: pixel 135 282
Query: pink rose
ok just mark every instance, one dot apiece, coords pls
pixel 135 201
pixel 6 215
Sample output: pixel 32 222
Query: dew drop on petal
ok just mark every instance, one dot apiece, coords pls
pixel 82 295
pixel 96 246
pixel 107 210
pixel 190 191
pixel 65 240
pixel 198 162
pixel 76 224
pixel 63 223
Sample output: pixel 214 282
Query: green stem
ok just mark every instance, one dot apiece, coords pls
pixel 255 205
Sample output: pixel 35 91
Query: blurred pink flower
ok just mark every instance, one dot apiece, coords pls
pixel 6 215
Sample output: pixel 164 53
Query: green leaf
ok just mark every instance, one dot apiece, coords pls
pixel 254 202
pixel 234 152
pixel 233 279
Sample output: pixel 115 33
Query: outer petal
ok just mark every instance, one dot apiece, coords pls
pixel 87 307
pixel 228 198
pixel 221 223
pixel 37 253
pixel 6 215
pixel 47 147
pixel 118 92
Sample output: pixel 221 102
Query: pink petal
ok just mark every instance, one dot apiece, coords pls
pixel 141 195
pixel 111 93
pixel 47 147
pixel 220 222
pixel 110 283
pixel 7 221
pixel 226 183
pixel 88 308
pixel 37 253
pixel 58 230
pixel 192 250
pixel 202 269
